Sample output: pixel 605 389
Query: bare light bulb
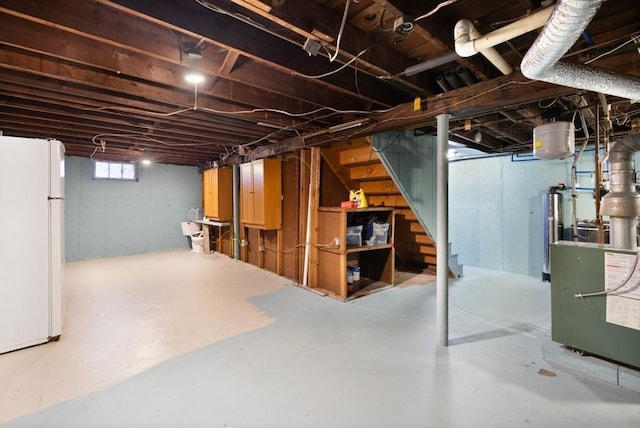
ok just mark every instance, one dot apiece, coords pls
pixel 194 77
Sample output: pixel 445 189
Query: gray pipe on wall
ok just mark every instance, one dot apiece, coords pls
pixel 236 210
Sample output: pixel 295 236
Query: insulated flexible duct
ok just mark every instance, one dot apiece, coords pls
pixel 566 24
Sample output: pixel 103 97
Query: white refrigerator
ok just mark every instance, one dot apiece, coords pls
pixel 31 241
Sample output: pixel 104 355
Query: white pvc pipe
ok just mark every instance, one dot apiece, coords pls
pixel 465 34
pixel 442 238
pixel 506 33
pixel 497 60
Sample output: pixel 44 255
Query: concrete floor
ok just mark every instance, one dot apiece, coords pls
pixel 181 339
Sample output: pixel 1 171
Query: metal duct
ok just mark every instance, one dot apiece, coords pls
pixel 622 203
pixel 466 75
pixel 428 64
pixel 444 85
pixel 566 24
pixel 453 79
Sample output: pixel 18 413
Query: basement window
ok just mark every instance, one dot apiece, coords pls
pixel 123 171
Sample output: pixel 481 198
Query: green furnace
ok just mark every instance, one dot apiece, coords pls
pixel 605 324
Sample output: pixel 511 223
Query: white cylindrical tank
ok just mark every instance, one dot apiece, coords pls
pixel 554 140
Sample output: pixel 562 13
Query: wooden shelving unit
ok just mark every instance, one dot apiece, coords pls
pixel 376 262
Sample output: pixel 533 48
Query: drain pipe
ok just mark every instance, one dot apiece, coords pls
pixel 565 26
pixel 469 41
pixel 622 203
pixel 465 34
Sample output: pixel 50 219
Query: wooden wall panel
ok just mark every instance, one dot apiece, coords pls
pixel 332 191
pixel 271 250
pixel 291 192
pixel 253 237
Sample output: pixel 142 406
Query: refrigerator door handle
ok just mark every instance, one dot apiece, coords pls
pixel 54 198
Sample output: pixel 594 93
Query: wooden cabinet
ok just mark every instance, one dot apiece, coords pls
pixel 261 194
pixel 376 262
pixel 217 189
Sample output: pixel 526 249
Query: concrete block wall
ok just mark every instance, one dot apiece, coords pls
pixel 105 218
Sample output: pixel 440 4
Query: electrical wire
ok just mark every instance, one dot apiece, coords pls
pixel 329 73
pixel 301 160
pixel 236 112
pixel 135 110
pixel 143 136
pixel 102 145
pixel 555 100
pixel 400 132
pixel 384 11
pixel 339 38
pixel 616 288
pixel 247 20
pixel 635 39
pixel 286 128
pixel 331 244
pixel 215 241
pixel 434 10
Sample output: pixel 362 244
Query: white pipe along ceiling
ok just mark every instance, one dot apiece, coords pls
pixel 469 41
pixel 465 34
pixel 566 24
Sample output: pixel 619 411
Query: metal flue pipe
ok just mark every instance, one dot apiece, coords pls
pixel 622 203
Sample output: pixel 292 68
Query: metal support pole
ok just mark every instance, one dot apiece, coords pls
pixel 236 211
pixel 442 238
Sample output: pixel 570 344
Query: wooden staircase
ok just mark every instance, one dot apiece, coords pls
pixel 356 165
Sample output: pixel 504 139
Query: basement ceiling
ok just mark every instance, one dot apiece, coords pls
pixel 107 77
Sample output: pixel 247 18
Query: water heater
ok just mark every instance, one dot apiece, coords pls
pixel 551 225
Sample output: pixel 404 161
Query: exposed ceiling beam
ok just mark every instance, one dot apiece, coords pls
pixel 110 52
pixel 312 21
pixel 485 97
pixel 260 46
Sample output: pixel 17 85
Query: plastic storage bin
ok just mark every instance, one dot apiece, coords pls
pixel 354 236
pixel 376 233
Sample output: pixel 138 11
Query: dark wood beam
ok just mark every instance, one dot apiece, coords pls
pixel 260 46
pixel 246 85
pixel 137 94
pixel 313 21
pixel 468 102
